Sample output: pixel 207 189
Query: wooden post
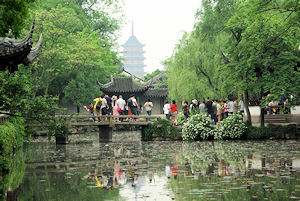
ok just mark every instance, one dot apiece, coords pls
pixel 105 133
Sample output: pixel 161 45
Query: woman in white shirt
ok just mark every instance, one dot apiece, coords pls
pixel 166 110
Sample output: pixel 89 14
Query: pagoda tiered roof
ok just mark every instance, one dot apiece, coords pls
pixel 133 42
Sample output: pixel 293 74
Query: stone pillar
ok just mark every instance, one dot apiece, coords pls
pixel 105 133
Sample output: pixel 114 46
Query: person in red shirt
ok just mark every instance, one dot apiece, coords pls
pixel 174 113
pixel 175 171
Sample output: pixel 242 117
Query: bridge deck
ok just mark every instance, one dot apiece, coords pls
pixel 112 123
pixel 110 120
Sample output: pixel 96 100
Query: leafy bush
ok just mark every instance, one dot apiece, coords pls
pixel 11 140
pixel 59 126
pixel 280 131
pixel 197 127
pixel 232 127
pixel 162 128
pixel 180 118
pixel 253 132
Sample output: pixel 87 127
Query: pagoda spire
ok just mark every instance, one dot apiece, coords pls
pixel 132 29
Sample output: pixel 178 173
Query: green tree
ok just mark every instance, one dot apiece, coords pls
pixel 264 50
pixel 13 14
pixel 149 76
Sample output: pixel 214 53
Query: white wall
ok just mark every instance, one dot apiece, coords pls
pixel 254 111
pixel 295 110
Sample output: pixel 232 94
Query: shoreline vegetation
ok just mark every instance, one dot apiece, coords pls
pixel 199 127
pixel 12 162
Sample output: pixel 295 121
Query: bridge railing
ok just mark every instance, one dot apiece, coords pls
pixel 114 118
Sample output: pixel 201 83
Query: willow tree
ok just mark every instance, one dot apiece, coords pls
pixel 193 67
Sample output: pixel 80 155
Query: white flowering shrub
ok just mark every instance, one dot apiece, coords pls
pixel 232 127
pixel 198 126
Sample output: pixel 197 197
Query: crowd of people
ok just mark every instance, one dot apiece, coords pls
pixel 106 105
pixel 217 109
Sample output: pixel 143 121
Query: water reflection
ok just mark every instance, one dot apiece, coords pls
pixel 268 170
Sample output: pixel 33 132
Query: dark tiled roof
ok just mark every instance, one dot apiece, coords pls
pixel 158 78
pixel 123 84
pixel 14 52
pixel 157 92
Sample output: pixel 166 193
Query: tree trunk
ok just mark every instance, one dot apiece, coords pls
pixel 246 105
pixel 262 116
pixel 47 88
pixel 262 109
pixel 78 109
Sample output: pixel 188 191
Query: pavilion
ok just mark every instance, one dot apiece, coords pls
pixel 127 86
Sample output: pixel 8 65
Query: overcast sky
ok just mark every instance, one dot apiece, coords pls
pixel 159 24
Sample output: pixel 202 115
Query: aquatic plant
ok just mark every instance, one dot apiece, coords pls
pixel 198 126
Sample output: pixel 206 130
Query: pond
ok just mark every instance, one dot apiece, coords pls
pixel 135 170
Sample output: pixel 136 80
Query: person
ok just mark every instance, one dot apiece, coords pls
pixel 219 111
pixel 148 107
pixel 168 171
pixel 230 104
pixel 166 110
pixel 109 103
pixel 208 106
pixel 115 108
pixel 215 110
pixel 235 106
pixel 127 110
pixel 185 110
pixel 226 109
pixel 194 106
pixel 174 113
pixel 202 107
pixel 241 105
pixel 97 107
pixel 91 110
pixel 104 107
pixel 121 106
pixel 132 103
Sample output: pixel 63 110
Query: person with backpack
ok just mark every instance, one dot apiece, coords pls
pixel 104 107
pixel 109 103
pixel 132 103
pixel 97 108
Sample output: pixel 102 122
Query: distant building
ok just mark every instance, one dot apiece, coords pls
pixel 133 54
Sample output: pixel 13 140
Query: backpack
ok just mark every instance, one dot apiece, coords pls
pixel 130 103
pixel 99 103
